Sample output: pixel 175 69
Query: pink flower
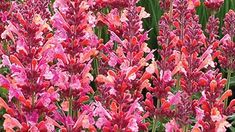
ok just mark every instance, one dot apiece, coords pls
pixel 4 82
pixel 100 122
pixel 174 99
pixel 113 60
pixel 75 83
pixel 6 61
pixel 151 68
pixel 100 111
pixel 50 121
pixel 10 123
pixel 143 13
pixel 199 114
pixel 222 125
pixel 193 4
pixel 167 76
pixel 213 4
pixel 61 5
pixel 172 126
pixel 9 30
pixel 206 59
pixel 65 106
pixel 132 125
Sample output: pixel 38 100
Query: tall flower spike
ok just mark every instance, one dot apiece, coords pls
pixel 162 80
pixel 227 48
pixel 29 7
pixel 226 58
pixel 212 30
pixel 229 24
pixel 121 85
pixel 181 18
pixel 28 61
pixel 165 5
pixel 6 9
pixel 211 101
pixel 75 46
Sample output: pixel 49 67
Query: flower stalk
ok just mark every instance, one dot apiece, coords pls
pixel 229 73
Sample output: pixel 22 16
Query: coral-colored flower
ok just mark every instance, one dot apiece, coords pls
pixel 10 123
pixel 193 4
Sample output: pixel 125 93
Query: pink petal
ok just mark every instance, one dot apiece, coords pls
pixel 65 106
pixel 100 122
pixel 113 60
pixel 53 122
pixel 133 125
pixel 171 126
pixel 3 104
pixel 226 38
pixel 199 114
pixel 6 61
pixel 222 125
pixel 10 122
pixel 174 99
pixel 4 82
pixel 167 76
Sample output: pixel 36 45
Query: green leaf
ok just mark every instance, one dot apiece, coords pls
pixel 4 70
pixel 3 92
pixel 232 81
pixel 232 129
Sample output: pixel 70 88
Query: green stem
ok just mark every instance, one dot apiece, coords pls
pixel 171 13
pixel 156 118
pixel 177 82
pixel 70 109
pixel 171 9
pixel 71 106
pixel 154 124
pixel 96 66
pixel 227 86
pixel 96 61
pixel 185 128
pixel 99 32
pixel 158 103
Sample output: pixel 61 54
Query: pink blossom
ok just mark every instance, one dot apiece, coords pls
pixel 172 126
pixel 10 123
pixel 61 5
pixel 222 125
pixel 199 114
pixel 174 99
pixel 132 125
pixel 167 76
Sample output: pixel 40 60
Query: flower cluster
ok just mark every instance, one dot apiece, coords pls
pixel 63 75
pixel 213 4
pixel 226 58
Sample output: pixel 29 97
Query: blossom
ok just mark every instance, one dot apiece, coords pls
pixel 213 4
pixel 172 126
pixel 227 45
pixel 194 3
pixel 10 123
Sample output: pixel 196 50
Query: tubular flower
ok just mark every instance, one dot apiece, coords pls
pixel 213 4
